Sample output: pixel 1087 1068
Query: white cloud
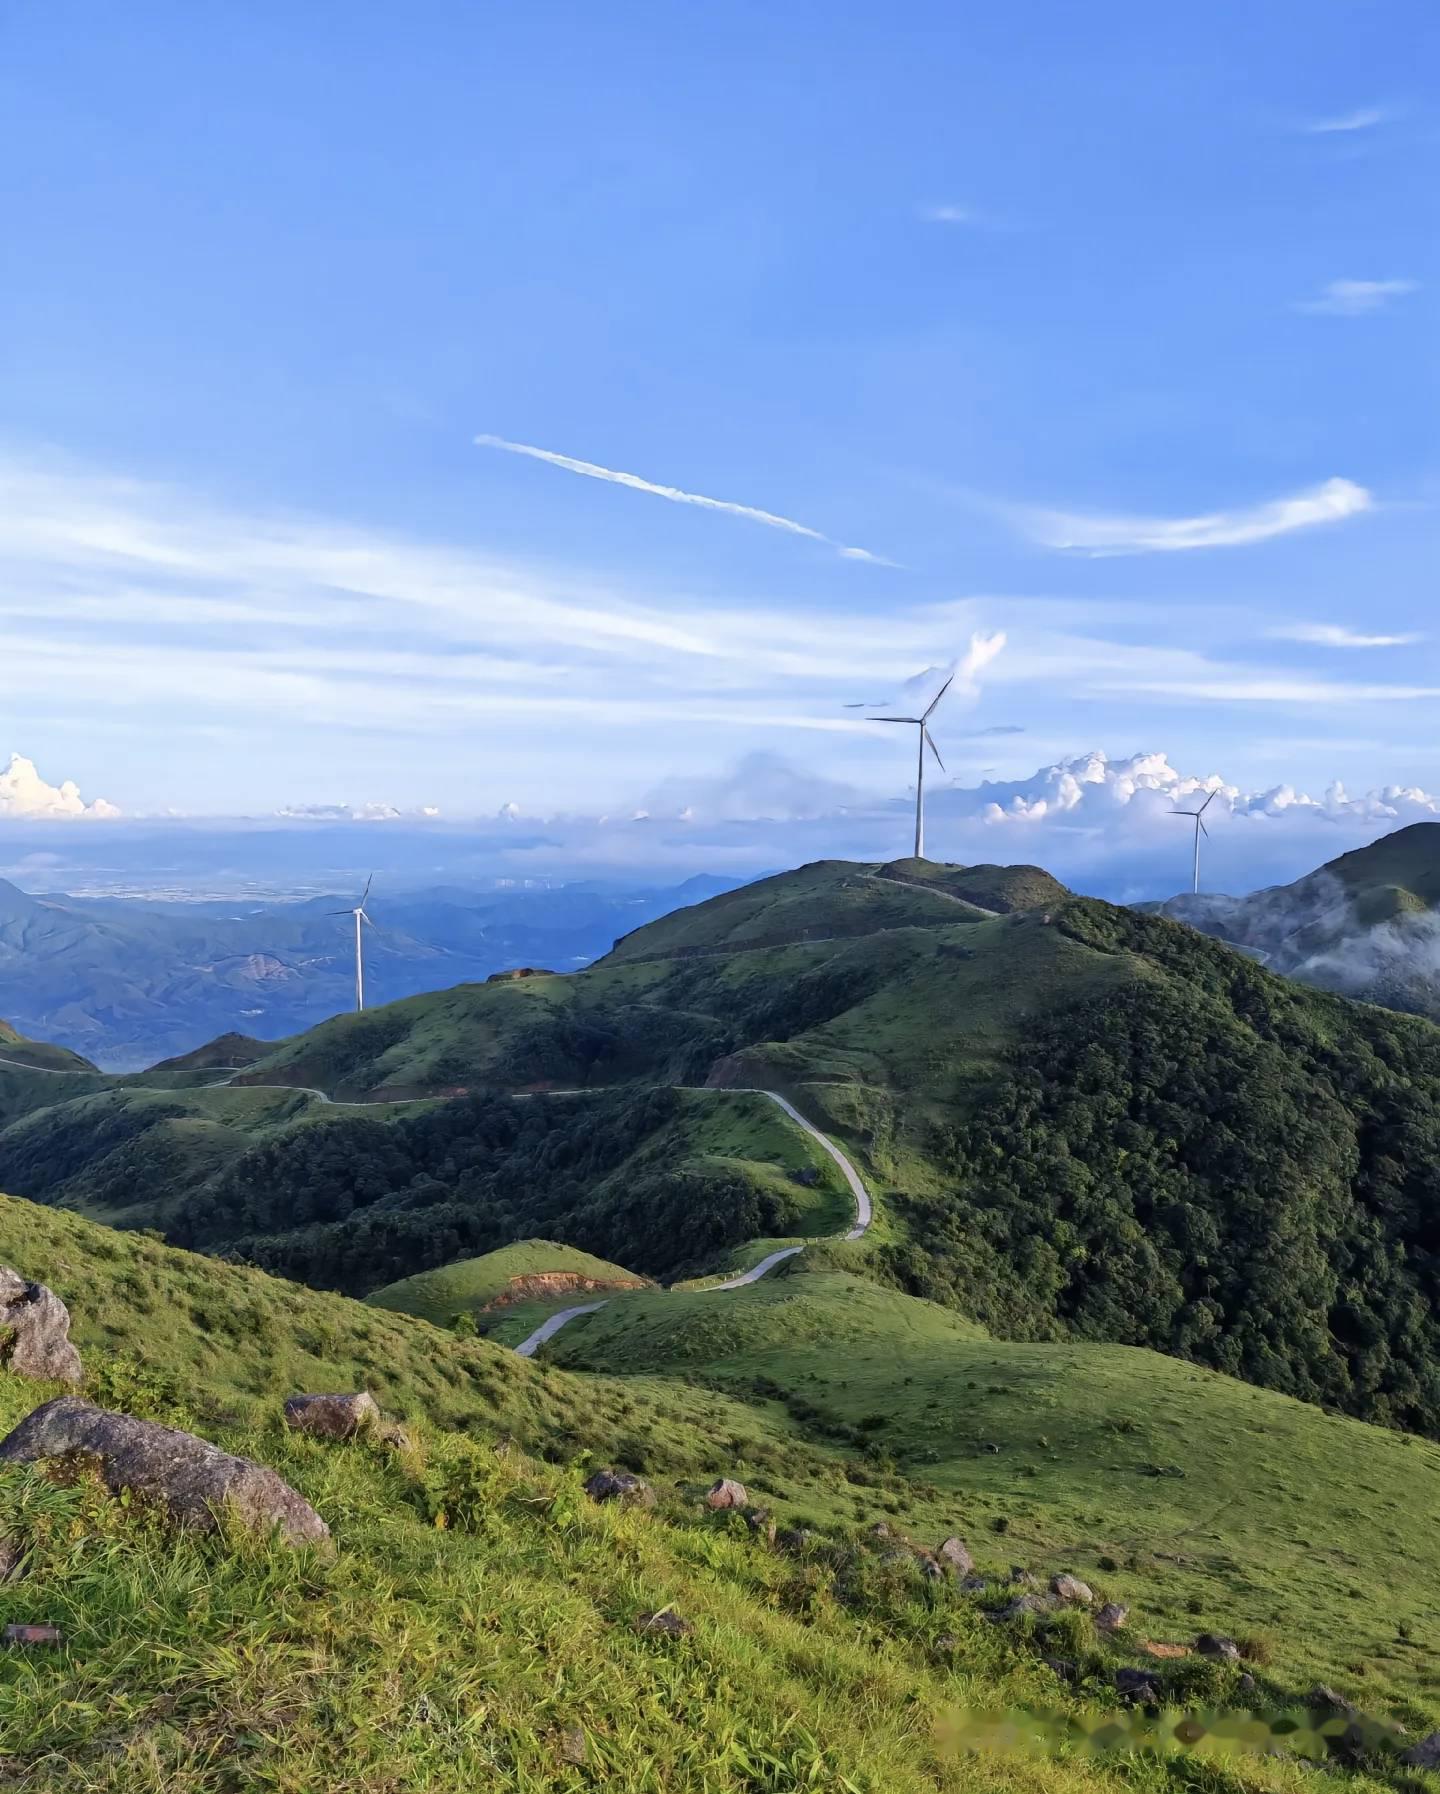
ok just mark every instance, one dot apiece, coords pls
pixel 948 214
pixel 1092 533
pixel 676 496
pixel 1354 298
pixel 1336 635
pixel 1363 118
pixel 24 793
pixel 761 786
pixel 367 812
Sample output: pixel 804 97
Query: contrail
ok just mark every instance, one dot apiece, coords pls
pixel 676 496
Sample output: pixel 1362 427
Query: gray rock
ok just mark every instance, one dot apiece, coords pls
pixel 931 1569
pixel 664 1624
pixel 194 1481
pixel 956 1558
pixel 1211 1644
pixel 1425 1754
pixel 1064 1667
pixel 973 1585
pixel 12 1560
pixel 880 1530
pixel 1328 1701
pixel 1072 1589
pixel 1137 1685
pixel 724 1493
pixel 35 1331
pixel 332 1416
pixel 946 1642
pixel 396 1437
pixel 571 1747
pixel 620 1485
pixel 759 1520
pixel 1112 1616
pixel 1022 1578
pixel 797 1540
pixel 1021 1605
pixel 1245 1684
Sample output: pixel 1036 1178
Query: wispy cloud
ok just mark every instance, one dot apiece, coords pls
pixel 949 214
pixel 1363 118
pixel 1353 298
pixel 1099 534
pixel 1336 635
pixel 591 470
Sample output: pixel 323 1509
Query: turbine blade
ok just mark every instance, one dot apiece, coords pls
pixel 893 719
pixel 339 912
pixel 1206 805
pixel 936 699
pixel 1182 812
pixel 1203 830
pixel 366 892
pixel 930 743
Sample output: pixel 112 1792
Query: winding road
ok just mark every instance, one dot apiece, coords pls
pixel 549 1328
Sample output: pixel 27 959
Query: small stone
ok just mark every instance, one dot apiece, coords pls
pixel 1211 1644
pixel 973 1585
pixel 931 1570
pixel 725 1493
pixel 1021 1605
pixel 620 1485
pixel 1327 1700
pixel 994 1450
pixel 880 1530
pixel 1022 1578
pixel 332 1416
pixel 35 1332
pixel 664 1624
pixel 1112 1616
pixel 946 1642
pixel 1137 1685
pixel 759 1520
pixel 195 1481
pixel 796 1540
pixel 1062 1667
pixel 395 1438
pixel 12 1560
pixel 956 1557
pixel 33 1635
pixel 571 1745
pixel 1072 1589
pixel 1245 1684
pixel 1425 1754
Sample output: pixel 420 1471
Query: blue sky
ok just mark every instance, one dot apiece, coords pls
pixel 1112 329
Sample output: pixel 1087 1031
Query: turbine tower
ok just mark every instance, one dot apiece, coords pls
pixel 358 911
pixel 922 724
pixel 1200 829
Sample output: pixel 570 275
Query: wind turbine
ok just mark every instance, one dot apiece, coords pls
pixel 1200 829
pixel 358 911
pixel 922 724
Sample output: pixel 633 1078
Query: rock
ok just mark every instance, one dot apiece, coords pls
pixel 1072 1589
pixel 195 1481
pixel 396 1437
pixel 1327 1700
pixel 1062 1667
pixel 620 1485
pixel 1020 1606
pixel 1211 1644
pixel 724 1493
pixel 1246 1684
pixel 796 1540
pixel 994 1450
pixel 1425 1754
pixel 35 1331
pixel 880 1530
pixel 955 1557
pixel 332 1416
pixel 570 1748
pixel 897 1558
pixel 931 1569
pixel 12 1559
pixel 759 1521
pixel 946 1642
pixel 1112 1616
pixel 973 1585
pixel 664 1624
pixel 1138 1685
pixel 32 1635
pixel 1022 1578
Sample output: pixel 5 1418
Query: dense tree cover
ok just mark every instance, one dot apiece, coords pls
pixel 1216 1164
pixel 352 1202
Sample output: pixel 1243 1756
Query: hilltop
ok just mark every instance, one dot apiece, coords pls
pixel 478 1616
pixel 15 1049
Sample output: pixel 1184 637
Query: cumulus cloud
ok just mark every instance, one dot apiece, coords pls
pixel 1353 298
pixel 369 812
pixel 24 793
pixel 1097 534
pixel 591 470
pixel 761 787
pixel 1336 635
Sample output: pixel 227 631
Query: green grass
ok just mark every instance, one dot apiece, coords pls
pixel 471 1284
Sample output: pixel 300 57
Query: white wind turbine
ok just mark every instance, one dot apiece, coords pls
pixel 924 740
pixel 1200 829
pixel 358 911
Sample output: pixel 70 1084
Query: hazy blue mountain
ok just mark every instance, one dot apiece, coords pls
pixel 128 981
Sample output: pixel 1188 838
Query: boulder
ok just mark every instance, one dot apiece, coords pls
pixel 1112 1616
pixel 620 1485
pixel 1211 1644
pixel 193 1480
pixel 35 1331
pixel 1072 1589
pixel 332 1416
pixel 664 1624
pixel 1425 1754
pixel 723 1493
pixel 1138 1685
pixel 1020 1606
pixel 1327 1701
pixel 956 1558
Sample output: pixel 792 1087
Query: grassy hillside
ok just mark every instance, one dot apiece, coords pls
pixel 500 1279
pixel 17 1049
pixel 476 1623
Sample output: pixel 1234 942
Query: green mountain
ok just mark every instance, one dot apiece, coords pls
pixel 16 1050
pixel 1079 1122
pixel 478 1621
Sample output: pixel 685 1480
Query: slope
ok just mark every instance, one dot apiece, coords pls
pixel 527 1271
pixel 15 1049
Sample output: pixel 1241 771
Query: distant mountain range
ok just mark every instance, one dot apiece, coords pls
pixel 129 981
pixel 1366 925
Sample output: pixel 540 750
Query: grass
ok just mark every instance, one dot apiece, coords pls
pixel 471 1284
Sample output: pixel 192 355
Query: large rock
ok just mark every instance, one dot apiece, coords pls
pixel 620 1485
pixel 724 1492
pixel 1425 1754
pixel 1112 1616
pixel 1071 1588
pixel 956 1558
pixel 195 1481
pixel 332 1416
pixel 1138 1685
pixel 1211 1644
pixel 35 1331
